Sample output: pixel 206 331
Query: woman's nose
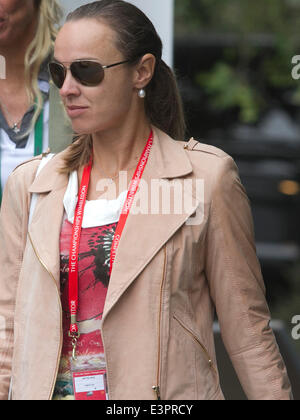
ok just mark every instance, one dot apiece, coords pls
pixel 70 86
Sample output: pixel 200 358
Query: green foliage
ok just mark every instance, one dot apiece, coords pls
pixel 260 39
pixel 264 38
pixel 238 16
pixel 228 89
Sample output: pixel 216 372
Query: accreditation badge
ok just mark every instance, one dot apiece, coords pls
pixel 89 380
pixel 90 385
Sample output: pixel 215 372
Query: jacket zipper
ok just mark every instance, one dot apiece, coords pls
pixel 60 307
pixel 196 339
pixel 156 388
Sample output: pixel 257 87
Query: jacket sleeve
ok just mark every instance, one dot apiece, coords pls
pixel 238 291
pixel 13 228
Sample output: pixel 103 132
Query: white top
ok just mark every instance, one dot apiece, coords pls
pixel 96 212
pixel 11 157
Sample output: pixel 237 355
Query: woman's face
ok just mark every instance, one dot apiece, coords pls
pixel 101 107
pixel 16 17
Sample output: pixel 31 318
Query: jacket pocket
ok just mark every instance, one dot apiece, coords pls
pixel 195 337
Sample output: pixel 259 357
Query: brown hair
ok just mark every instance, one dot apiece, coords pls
pixel 136 36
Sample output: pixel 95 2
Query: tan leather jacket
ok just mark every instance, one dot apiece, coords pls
pixel 170 271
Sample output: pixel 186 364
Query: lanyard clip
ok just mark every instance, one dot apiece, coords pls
pixel 74 344
pixel 74 336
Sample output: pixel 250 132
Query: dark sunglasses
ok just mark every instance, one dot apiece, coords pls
pixel 86 72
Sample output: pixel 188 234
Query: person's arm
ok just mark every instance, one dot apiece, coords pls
pixel 238 291
pixel 13 233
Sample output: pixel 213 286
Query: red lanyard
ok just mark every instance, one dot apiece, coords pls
pixel 76 232
pixel 129 199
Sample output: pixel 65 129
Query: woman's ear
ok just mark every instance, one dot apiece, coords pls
pixel 144 71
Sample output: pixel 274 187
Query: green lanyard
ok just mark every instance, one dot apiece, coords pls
pixel 38 142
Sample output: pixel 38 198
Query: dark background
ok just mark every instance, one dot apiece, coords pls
pixel 233 61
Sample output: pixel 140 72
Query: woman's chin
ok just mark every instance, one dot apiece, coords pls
pixel 80 130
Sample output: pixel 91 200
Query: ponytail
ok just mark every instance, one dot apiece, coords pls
pixel 163 102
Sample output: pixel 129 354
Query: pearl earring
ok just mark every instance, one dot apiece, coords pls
pixel 142 93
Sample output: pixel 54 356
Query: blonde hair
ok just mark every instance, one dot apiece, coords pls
pixel 49 16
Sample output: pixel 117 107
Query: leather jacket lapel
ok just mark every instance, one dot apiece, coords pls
pixel 44 231
pixel 146 233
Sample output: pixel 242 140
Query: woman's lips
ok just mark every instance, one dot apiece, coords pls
pixel 76 111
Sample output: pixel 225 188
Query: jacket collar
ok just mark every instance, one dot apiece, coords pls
pixel 166 160
pixel 49 179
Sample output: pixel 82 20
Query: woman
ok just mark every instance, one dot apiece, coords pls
pixel 113 291
pixel 27 33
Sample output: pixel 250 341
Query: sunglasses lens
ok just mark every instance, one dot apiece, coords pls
pixel 57 73
pixel 88 73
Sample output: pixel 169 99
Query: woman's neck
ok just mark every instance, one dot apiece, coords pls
pixel 14 100
pixel 14 76
pixel 14 56
pixel 119 149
